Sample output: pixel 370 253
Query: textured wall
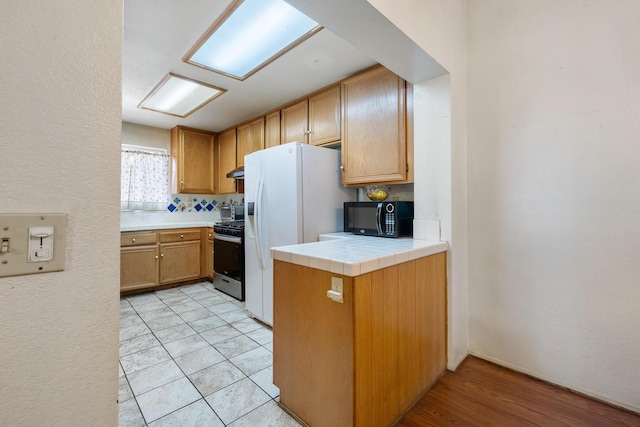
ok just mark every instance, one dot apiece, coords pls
pixel 59 150
pixel 554 191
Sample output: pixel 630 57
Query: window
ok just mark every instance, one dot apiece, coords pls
pixel 144 178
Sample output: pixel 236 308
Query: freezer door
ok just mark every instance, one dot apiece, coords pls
pixel 280 210
pixel 253 272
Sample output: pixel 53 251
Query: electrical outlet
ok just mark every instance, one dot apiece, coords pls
pixel 336 284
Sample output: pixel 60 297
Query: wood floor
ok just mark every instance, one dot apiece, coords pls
pixel 483 394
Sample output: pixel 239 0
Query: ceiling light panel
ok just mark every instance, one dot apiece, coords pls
pixel 250 35
pixel 179 96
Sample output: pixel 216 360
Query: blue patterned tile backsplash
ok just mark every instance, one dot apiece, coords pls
pixel 202 203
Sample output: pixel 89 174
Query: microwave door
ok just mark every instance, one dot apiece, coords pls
pixel 379 219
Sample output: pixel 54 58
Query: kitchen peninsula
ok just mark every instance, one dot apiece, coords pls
pixel 364 352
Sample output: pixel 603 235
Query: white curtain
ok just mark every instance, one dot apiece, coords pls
pixel 144 183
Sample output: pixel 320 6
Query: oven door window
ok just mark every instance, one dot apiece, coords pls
pixel 228 259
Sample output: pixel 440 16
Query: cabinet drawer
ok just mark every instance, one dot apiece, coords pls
pixel 138 238
pixel 179 235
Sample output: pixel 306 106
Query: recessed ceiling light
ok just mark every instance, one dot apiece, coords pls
pixel 249 35
pixel 179 96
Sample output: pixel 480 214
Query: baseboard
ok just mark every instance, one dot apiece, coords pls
pixel 453 366
pixel 588 394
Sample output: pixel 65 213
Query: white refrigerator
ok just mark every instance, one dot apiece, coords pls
pixel 296 194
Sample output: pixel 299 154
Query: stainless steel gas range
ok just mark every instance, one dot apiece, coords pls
pixel 228 260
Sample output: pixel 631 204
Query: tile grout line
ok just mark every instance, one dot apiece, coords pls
pixel 198 333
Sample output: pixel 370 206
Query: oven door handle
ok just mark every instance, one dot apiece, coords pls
pixel 224 238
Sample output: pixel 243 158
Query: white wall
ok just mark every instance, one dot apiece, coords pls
pixel 554 191
pixel 59 152
pixel 146 136
pixel 438 26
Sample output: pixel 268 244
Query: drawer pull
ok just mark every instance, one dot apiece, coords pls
pixel 182 236
pixel 133 240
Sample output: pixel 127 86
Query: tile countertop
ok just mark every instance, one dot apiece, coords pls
pixel 353 255
pixel 158 226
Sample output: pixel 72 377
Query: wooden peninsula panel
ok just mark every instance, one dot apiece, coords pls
pixel 366 361
pixel 313 335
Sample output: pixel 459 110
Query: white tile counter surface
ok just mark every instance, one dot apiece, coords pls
pixel 353 255
pixel 159 220
pixel 165 225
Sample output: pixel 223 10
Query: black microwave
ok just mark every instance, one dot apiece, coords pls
pixel 384 219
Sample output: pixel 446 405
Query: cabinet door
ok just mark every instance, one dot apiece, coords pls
pixel 272 129
pixel 244 134
pixel 250 139
pixel 374 144
pixel 192 161
pixel 179 261
pixel 226 161
pixel 324 116
pixel 256 136
pixel 138 267
pixel 294 123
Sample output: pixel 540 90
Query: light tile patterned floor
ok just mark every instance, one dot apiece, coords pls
pixel 192 356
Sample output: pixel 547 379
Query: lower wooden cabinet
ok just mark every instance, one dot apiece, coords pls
pixel 138 267
pixel 366 359
pixel 179 262
pixel 139 258
pixel 153 258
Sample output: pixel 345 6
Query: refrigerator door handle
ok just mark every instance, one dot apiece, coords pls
pixel 258 221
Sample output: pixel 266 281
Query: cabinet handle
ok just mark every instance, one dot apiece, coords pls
pixel 161 254
pixel 182 184
pixel 182 236
pixel 209 234
pixel 156 256
pixel 133 240
pixel 341 167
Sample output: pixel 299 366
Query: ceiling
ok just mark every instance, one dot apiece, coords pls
pixel 158 33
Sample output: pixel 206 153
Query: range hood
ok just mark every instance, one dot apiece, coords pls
pixel 237 173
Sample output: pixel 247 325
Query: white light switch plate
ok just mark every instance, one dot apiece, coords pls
pixel 15 259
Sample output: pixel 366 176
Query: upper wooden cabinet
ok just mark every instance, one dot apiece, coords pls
pixel 250 139
pixel 375 144
pixel 324 116
pixel 192 161
pixel 225 162
pixel 272 129
pixel 293 123
pixel 315 120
